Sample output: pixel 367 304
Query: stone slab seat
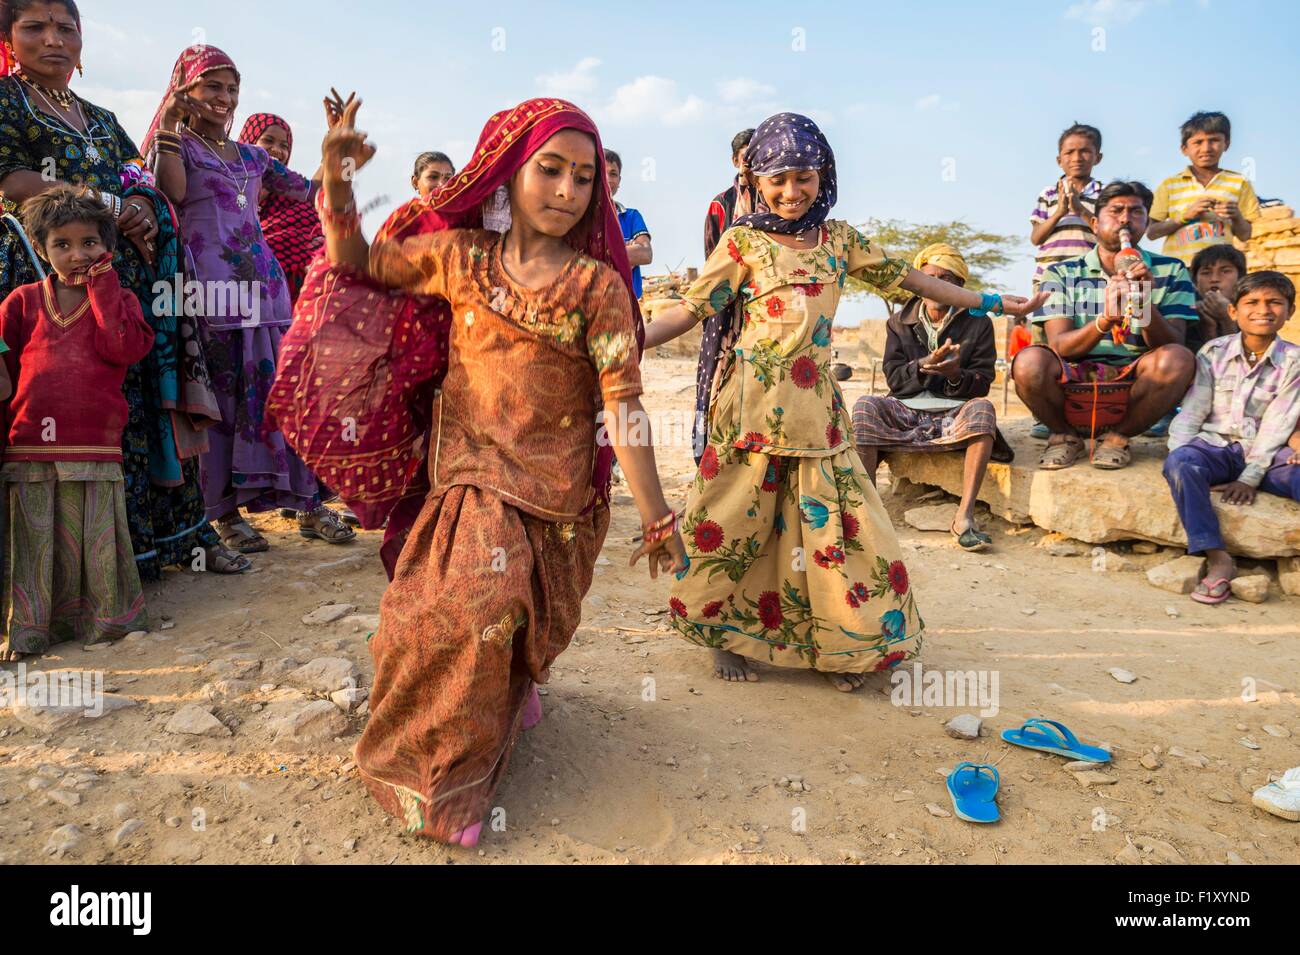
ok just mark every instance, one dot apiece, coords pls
pixel 1102 506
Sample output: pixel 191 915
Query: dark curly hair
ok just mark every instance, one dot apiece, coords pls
pixel 63 204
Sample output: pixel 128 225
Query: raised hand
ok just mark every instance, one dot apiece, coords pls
pixel 345 149
pixel 335 106
pixel 181 106
pixel 1017 305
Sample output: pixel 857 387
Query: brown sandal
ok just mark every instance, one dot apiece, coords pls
pixel 1063 453
pixel 1110 457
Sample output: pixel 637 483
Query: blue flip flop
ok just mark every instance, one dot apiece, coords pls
pixel 1049 736
pixel 974 789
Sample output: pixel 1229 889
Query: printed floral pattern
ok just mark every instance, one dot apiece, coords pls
pixel 792 558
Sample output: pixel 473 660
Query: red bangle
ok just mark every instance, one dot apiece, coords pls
pixel 661 529
pixel 346 223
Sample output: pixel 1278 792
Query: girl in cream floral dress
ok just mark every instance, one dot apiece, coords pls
pixel 792 557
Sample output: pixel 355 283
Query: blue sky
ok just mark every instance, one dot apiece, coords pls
pixel 904 92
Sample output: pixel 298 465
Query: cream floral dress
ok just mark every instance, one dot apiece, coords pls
pixel 792 557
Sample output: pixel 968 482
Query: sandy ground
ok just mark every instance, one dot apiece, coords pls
pixel 693 774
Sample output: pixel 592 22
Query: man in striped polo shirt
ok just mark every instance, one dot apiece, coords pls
pixel 1124 329
pixel 1203 205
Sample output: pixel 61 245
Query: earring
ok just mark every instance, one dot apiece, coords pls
pixel 80 71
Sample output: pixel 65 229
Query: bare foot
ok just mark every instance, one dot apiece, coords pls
pixel 846 682
pixel 11 656
pixel 532 709
pixel 467 838
pixel 732 667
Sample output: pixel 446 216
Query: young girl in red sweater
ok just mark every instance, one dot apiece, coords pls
pixel 70 571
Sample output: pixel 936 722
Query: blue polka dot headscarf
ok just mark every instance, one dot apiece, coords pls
pixel 781 143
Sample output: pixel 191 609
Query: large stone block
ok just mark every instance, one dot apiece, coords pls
pixel 1101 506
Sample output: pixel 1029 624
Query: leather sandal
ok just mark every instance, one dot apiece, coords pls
pixel 1063 453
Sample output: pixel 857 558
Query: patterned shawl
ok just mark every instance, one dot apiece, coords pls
pixel 291 226
pixel 782 143
pixel 194 61
pixel 355 407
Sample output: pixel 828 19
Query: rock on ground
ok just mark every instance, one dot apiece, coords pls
pixel 965 726
pixel 193 720
pixel 935 517
pixel 1288 575
pixel 317 721
pixel 325 674
pixel 327 614
pixel 1103 506
pixel 1178 576
pixel 1252 588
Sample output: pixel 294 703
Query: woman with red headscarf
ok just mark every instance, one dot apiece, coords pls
pixel 291 226
pixel 488 587
pixel 215 183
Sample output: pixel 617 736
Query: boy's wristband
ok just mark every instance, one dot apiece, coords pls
pixel 990 304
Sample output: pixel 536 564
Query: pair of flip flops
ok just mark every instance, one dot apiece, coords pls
pixel 973 787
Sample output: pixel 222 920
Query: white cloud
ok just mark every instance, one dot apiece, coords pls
pixel 935 101
pixel 742 90
pixel 654 98
pixel 1105 12
pixel 574 82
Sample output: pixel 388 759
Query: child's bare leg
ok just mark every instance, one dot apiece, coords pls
pixel 732 667
pixel 870 455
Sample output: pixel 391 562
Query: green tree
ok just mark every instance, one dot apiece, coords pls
pixel 984 252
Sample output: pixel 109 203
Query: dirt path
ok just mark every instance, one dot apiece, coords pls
pixel 643 756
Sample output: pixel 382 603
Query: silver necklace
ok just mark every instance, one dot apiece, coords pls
pixel 88 141
pixel 241 200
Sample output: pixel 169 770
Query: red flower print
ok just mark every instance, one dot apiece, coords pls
pixel 804 372
pixel 772 475
pixel 769 610
pixel 833 435
pixel 753 441
pixel 775 307
pixel 834 555
pixel 890 660
pixel 712 608
pixel 677 607
pixel 732 250
pixel 852 599
pixel 810 289
pixel 820 559
pixel 898 577
pixel 850 526
pixel 860 591
pixel 708 537
pixel 709 464
pixel 800 271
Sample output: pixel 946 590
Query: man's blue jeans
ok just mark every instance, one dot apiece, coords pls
pixel 1197 466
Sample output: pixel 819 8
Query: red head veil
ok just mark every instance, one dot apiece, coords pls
pixel 377 467
pixel 505 144
pixel 194 61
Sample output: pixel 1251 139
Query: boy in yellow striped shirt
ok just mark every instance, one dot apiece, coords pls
pixel 1203 205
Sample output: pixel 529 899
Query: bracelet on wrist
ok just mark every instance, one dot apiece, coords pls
pixel 346 221
pixel 990 304
pixel 661 529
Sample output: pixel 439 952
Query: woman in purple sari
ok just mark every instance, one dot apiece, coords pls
pixel 215 183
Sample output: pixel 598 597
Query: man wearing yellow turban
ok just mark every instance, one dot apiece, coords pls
pixel 939 363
